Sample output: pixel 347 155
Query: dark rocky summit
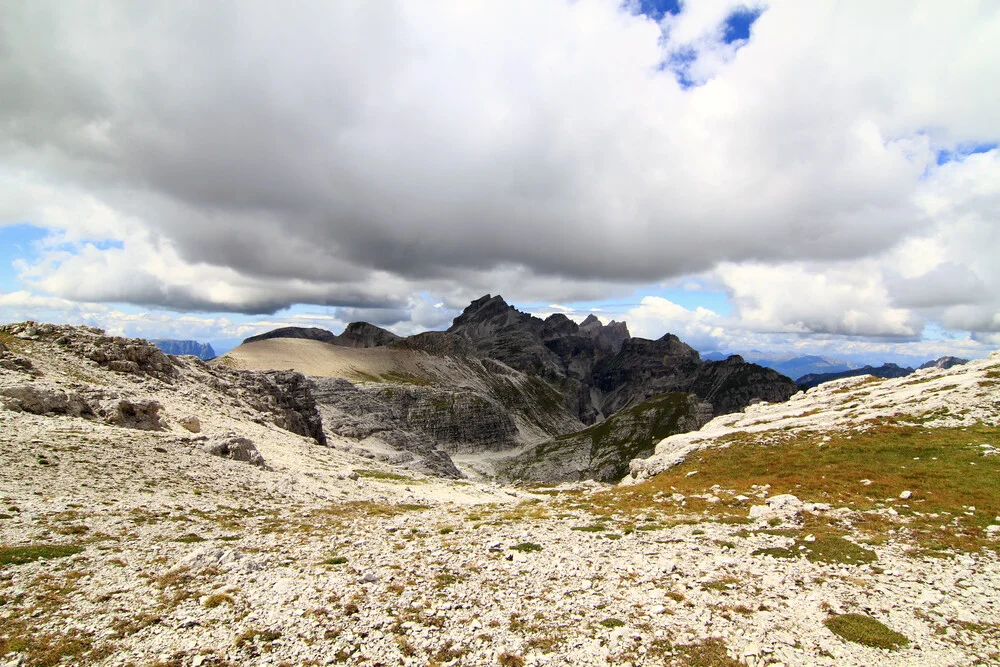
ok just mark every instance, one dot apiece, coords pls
pixel 944 362
pixel 193 348
pixel 311 333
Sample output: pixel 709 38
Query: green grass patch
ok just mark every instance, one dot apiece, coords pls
pixel 613 623
pixel 526 547
pixel 776 552
pixel 592 528
pixel 379 474
pixel 33 552
pixel 335 560
pixel 865 630
pixel 835 549
pixel 189 538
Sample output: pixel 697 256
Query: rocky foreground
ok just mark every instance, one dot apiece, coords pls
pixel 159 512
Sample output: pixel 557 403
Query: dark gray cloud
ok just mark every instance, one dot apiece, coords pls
pixel 355 154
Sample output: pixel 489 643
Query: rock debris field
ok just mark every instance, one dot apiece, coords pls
pixel 156 511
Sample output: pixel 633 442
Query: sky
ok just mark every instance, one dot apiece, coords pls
pixel 785 176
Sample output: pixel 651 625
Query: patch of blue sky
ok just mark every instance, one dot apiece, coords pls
pixel 962 151
pixel 657 9
pixel 17 242
pixel 737 25
pixel 680 64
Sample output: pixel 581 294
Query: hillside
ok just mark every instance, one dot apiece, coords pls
pixel 158 510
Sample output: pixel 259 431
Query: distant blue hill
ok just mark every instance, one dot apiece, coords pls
pixel 792 367
pixel 203 351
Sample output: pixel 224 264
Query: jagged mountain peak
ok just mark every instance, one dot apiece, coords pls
pixel 481 310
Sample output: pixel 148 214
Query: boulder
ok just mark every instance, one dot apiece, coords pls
pixel 143 415
pixel 236 448
pixel 784 507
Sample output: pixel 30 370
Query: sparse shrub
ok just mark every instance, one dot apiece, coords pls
pixel 511 660
pixel 335 560
pixel 526 547
pixel 613 623
pixel 254 636
pixel 865 630
pixel 216 599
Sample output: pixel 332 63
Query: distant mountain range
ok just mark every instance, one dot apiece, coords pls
pixel 883 371
pixel 811 370
pixel 793 367
pixel 203 351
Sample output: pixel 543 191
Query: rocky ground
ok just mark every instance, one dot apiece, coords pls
pixel 125 545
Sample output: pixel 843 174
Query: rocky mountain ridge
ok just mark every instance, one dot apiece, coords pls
pixel 580 373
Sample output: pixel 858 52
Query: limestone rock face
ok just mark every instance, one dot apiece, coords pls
pixel 286 395
pixel 443 421
pixel 44 400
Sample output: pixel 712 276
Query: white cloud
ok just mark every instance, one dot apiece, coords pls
pixel 374 154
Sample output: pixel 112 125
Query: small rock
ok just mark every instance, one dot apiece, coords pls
pixel 192 424
pixel 370 577
pixel 993 529
pixel 355 476
pixel 905 495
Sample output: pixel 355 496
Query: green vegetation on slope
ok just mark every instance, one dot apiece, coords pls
pixel 954 483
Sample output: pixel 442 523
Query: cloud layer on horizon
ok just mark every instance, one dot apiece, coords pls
pixel 249 157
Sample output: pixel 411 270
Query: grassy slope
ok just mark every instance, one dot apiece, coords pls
pixel 955 486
